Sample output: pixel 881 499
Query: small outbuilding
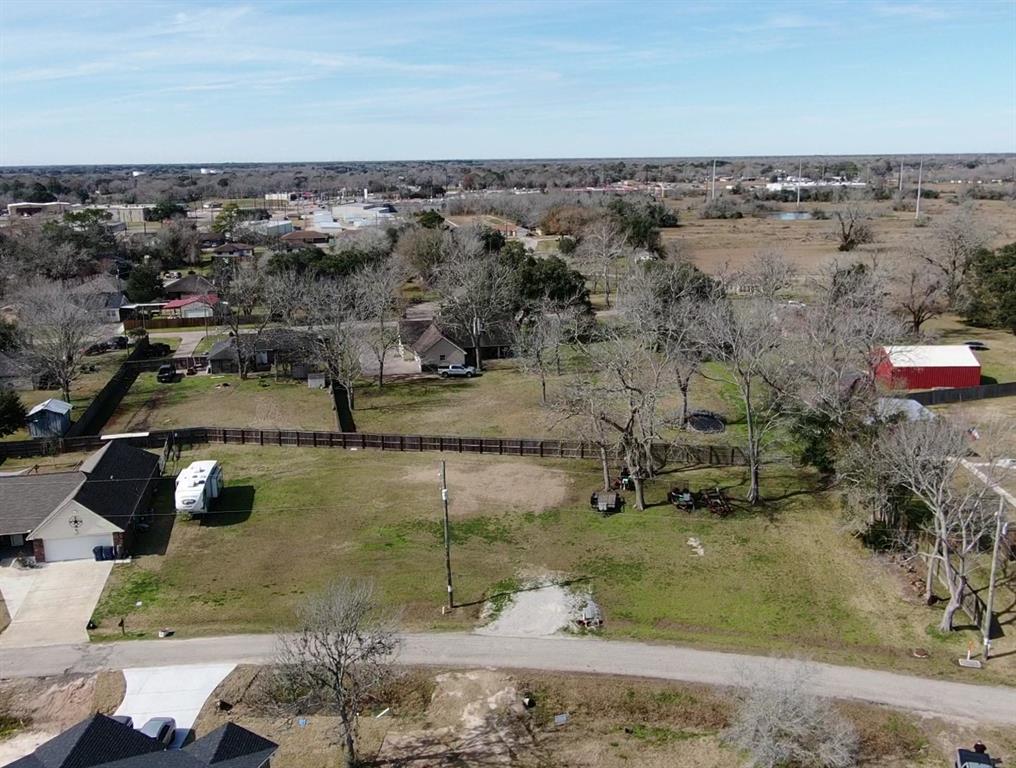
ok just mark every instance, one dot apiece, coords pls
pixel 50 418
pixel 928 367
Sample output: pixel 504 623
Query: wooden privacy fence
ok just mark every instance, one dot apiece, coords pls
pixel 167 323
pixel 963 394
pixel 704 455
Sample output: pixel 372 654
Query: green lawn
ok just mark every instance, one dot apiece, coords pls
pixel 209 341
pixel 788 581
pixel 222 401
pixel 998 363
pixel 504 402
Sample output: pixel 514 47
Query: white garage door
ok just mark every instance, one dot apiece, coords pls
pixel 76 548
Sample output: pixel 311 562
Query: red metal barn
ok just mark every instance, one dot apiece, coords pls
pixel 928 367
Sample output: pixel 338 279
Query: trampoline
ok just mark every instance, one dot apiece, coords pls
pixel 706 421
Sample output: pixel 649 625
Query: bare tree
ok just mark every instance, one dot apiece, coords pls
pixel 422 251
pixel 771 274
pixel 925 458
pixel 662 303
pixel 338 338
pixel 747 337
pixel 854 226
pixel 601 245
pixel 57 324
pixel 582 404
pixel 341 652
pixel 536 342
pixel 835 341
pixel 956 239
pixel 780 722
pixel 477 290
pixel 619 403
pixel 918 294
pixel 379 303
pixel 254 298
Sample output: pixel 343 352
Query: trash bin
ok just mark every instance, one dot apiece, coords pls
pixel 97 553
pixel 107 553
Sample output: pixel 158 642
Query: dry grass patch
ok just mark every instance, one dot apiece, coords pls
pixel 476 718
pixel 716 244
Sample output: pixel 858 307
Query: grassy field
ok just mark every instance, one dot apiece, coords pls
pixel 224 401
pixel 82 391
pixel 718 244
pixel 504 402
pixel 786 581
pixel 998 363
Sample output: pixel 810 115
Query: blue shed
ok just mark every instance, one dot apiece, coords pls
pixel 51 418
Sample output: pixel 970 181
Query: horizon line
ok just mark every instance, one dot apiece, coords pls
pixel 535 159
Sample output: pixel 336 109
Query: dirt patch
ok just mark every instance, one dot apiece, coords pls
pixel 475 487
pixel 474 718
pixel 47 706
pixel 110 688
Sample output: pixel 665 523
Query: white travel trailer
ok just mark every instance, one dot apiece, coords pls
pixel 198 485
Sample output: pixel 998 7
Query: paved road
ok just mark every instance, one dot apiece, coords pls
pixel 561 654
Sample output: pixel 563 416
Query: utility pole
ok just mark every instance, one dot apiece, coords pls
pixel 800 170
pixel 901 174
pixel 447 537
pixel 712 186
pixel 1000 531
pixel 920 174
pixel 477 333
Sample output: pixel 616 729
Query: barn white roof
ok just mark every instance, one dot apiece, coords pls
pixel 932 356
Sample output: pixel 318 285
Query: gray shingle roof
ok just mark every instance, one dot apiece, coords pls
pixel 110 483
pixel 27 500
pixel 95 741
pixel 118 475
pixel 228 746
pixel 429 338
pixel 190 285
pixel 411 330
pixel 228 743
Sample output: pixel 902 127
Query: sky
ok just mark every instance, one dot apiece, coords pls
pixel 131 82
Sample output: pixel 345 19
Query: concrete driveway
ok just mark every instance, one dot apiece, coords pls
pixel 51 605
pixel 177 692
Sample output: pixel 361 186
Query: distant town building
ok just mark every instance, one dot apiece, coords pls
pixel 36 209
pixel 271 228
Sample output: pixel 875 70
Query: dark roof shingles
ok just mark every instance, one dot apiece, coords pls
pixel 27 500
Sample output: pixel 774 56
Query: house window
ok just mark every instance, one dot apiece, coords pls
pixel 17 539
pixel 442 357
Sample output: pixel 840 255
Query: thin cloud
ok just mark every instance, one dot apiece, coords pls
pixel 40 74
pixel 913 11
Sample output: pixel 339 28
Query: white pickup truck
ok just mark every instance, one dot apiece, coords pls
pixel 449 371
